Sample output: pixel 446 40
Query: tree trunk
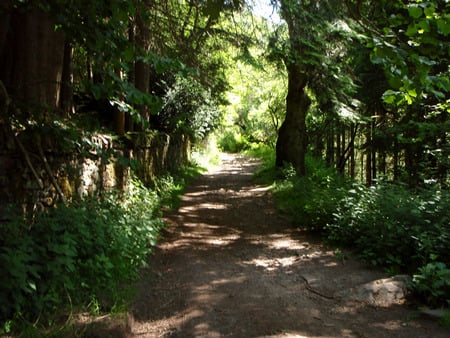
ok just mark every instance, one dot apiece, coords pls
pixel 369 155
pixel 5 18
pixel 352 152
pixel 142 69
pixel 396 161
pixel 330 146
pixel 67 81
pixel 373 151
pixel 126 122
pixel 292 136
pixel 32 61
pixel 338 152
pixel 441 143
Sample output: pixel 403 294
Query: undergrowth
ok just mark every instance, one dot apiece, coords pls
pixel 80 257
pixel 388 225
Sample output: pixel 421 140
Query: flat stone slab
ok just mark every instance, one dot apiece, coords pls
pixel 381 292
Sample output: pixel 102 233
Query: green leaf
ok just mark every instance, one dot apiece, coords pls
pixel 430 10
pixel 390 96
pixel 213 9
pixel 32 285
pixel 415 12
pixel 439 95
pixel 411 31
pixel 444 25
pixel 408 98
pixel 423 26
pixel 412 92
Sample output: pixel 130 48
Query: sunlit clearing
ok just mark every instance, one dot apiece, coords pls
pixel 285 243
pixel 272 264
pixel 207 206
pixel 206 154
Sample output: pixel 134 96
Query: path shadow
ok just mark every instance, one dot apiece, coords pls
pixel 230 266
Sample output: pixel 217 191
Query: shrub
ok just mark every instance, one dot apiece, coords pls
pixel 311 200
pixel 70 255
pixel 232 141
pixel 390 226
pixel 432 282
pixel 387 224
pixel 189 108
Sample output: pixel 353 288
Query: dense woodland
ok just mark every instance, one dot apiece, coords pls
pixel 347 101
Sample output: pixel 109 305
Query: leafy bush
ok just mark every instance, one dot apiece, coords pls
pixel 189 108
pixel 390 226
pixel 73 254
pixel 232 141
pixel 387 224
pixel 311 200
pixel 170 187
pixel 432 282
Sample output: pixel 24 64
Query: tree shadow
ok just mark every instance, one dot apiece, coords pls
pixel 230 266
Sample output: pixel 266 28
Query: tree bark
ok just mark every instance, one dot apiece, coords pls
pixel 32 62
pixel 141 68
pixel 292 137
pixel 5 18
pixel 330 146
pixel 67 81
pixel 352 151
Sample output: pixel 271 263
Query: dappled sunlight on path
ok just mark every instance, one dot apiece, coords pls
pixel 230 266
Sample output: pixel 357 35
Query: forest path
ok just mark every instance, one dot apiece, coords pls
pixel 230 266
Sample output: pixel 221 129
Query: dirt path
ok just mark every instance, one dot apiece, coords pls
pixel 229 266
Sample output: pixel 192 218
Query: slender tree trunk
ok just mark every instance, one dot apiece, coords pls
pixel 330 146
pixel 361 165
pixel 373 151
pixel 141 68
pixel 368 168
pixel 396 161
pixel 67 81
pixel 442 161
pixel 126 119
pixel 89 72
pixel 352 152
pixel 369 155
pixel 338 146
pixel 347 150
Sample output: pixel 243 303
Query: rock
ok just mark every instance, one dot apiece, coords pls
pixel 380 292
pixel 435 313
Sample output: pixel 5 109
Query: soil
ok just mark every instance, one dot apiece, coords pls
pixel 230 265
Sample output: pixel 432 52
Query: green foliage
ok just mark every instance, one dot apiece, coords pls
pixel 432 282
pixel 69 256
pixel 310 200
pixel 231 140
pixel 390 226
pixel 189 108
pixel 262 151
pixel 387 225
pixel 368 220
pixel 206 154
pixel 401 237
pixel 170 187
pixel 413 50
pixel 257 91
pixel 445 320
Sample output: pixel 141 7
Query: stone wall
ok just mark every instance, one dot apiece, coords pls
pixel 25 179
pixel 160 153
